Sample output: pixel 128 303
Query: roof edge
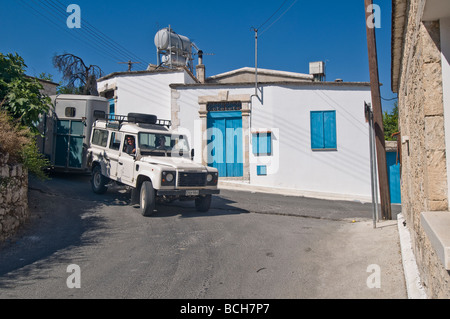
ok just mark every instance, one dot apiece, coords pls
pixel 262 72
pixel 153 71
pixel 399 9
pixel 252 84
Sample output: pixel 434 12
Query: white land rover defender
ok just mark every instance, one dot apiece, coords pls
pixel 141 151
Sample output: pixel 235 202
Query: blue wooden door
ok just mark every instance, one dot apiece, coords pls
pixel 225 143
pixel 394 177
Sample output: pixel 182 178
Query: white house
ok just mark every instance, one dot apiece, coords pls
pixel 142 91
pixel 288 132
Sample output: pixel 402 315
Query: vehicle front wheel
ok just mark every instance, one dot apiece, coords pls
pixel 203 203
pixel 147 199
pixel 98 181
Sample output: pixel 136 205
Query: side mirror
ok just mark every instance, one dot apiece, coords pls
pixel 192 154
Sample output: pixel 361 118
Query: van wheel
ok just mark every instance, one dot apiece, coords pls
pixel 98 181
pixel 203 203
pixel 147 199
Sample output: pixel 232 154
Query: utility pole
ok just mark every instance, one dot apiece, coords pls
pixel 130 64
pixel 385 197
pixel 256 62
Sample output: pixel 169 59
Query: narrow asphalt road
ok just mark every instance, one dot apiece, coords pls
pixel 249 245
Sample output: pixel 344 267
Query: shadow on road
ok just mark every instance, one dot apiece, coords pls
pixel 65 214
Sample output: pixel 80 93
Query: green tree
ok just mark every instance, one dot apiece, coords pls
pixel 390 123
pixel 21 104
pixel 21 95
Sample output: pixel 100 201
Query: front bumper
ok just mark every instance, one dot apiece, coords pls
pixel 186 192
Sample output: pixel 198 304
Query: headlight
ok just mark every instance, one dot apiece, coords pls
pixel 167 178
pixel 212 179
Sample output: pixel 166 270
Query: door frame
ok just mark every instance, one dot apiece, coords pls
pixel 231 168
pixel 225 96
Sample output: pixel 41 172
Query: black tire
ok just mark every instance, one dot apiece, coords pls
pixel 98 181
pixel 147 199
pixel 203 203
pixel 142 118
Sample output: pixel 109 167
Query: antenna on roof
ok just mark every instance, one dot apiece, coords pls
pixel 130 64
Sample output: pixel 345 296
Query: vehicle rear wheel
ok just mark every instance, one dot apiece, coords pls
pixel 147 199
pixel 98 181
pixel 203 203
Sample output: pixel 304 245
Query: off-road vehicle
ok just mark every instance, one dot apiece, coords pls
pixel 140 151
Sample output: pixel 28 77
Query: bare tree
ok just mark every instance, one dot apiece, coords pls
pixel 77 73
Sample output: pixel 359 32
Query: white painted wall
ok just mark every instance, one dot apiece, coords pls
pixel 286 111
pixel 445 53
pixel 145 93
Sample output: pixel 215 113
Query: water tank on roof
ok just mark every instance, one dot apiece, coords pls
pixel 166 39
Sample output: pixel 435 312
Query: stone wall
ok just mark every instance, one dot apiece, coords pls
pixel 421 121
pixel 13 197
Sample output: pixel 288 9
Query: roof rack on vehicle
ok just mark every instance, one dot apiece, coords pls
pixel 136 118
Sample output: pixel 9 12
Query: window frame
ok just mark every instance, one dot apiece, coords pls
pixel 323 130
pixel 260 139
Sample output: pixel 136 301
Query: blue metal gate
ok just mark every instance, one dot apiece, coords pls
pixel 225 150
pixel 394 177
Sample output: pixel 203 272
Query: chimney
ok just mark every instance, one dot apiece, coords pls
pixel 200 68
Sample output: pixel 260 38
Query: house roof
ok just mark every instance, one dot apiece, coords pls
pixel 432 10
pixel 399 16
pixel 269 75
pixel 291 83
pixel 152 69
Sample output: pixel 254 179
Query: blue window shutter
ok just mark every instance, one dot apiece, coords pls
pixel 269 143
pixel 261 170
pixel 329 124
pixel 255 142
pixel 262 143
pixel 317 136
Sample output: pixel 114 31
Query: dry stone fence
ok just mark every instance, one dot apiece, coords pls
pixel 13 197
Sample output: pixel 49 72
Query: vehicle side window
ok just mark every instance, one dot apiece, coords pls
pixel 116 138
pixel 129 145
pixel 100 137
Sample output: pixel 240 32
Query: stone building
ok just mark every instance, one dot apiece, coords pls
pixel 421 77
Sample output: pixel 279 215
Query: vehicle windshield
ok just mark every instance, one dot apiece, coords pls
pixel 163 144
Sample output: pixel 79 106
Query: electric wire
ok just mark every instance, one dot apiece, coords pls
pixel 118 54
pixel 38 13
pixel 286 11
pixel 103 37
pixel 271 16
pixel 86 35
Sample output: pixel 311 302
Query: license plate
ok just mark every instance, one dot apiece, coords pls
pixel 192 192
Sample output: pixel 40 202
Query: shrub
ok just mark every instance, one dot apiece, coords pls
pixel 20 143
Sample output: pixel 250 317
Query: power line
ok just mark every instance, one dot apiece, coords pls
pixel 119 54
pixel 104 37
pixel 106 48
pixel 271 16
pixel 37 13
pixel 395 98
pixel 289 8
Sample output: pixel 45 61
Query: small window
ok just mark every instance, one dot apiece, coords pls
pixel 70 112
pixel 100 138
pixel 323 130
pixel 261 170
pixel 115 141
pixel 262 143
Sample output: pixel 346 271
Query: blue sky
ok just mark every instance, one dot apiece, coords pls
pixel 301 31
